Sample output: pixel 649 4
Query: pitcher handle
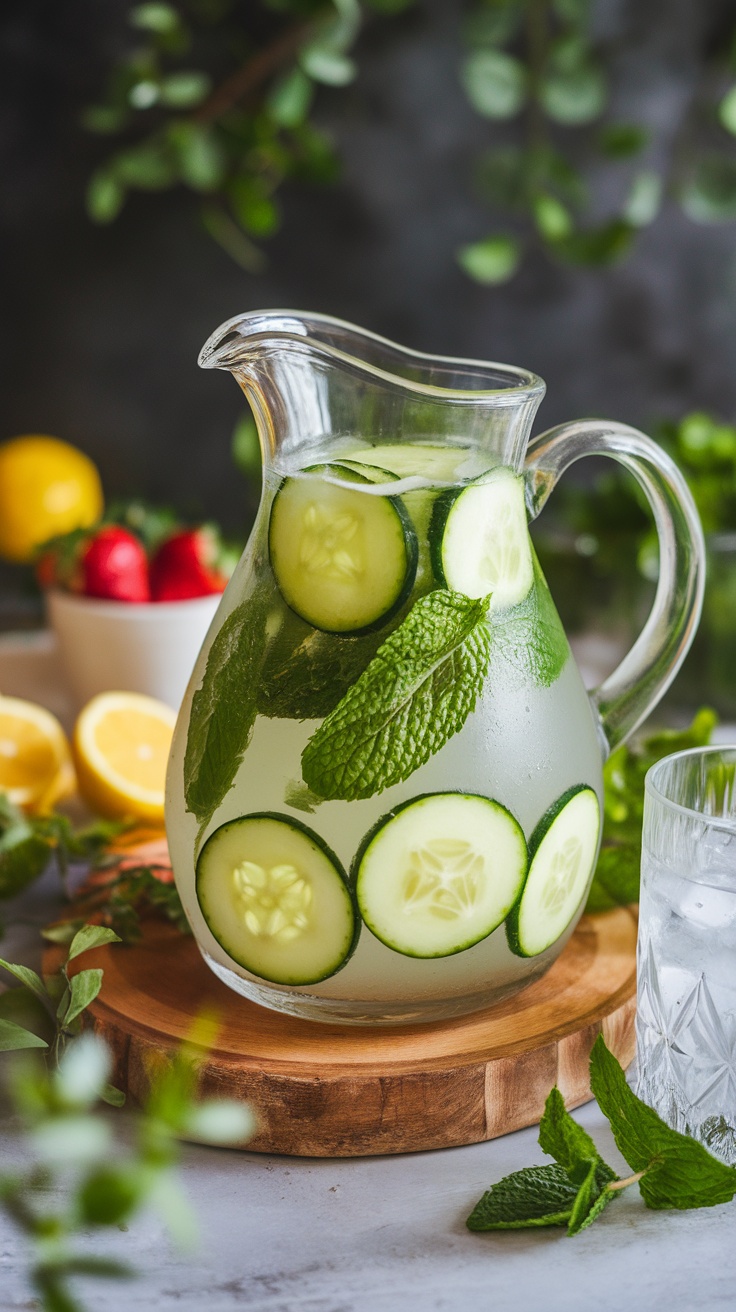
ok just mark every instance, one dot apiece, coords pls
pixel 627 696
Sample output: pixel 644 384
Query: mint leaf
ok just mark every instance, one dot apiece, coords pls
pixel 571 1146
pixel 676 1171
pixel 590 1202
pixel 536 1196
pixel 574 1150
pixel 417 692
pixel 306 672
pixel 532 639
pixel 224 710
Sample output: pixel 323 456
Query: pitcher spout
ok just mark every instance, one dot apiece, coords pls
pixel 310 378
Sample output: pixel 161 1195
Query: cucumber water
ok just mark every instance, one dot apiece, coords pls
pixel 338 698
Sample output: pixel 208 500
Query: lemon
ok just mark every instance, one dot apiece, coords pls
pixel 46 487
pixel 121 748
pixel 35 762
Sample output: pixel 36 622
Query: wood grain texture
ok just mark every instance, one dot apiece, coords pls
pixel 331 1091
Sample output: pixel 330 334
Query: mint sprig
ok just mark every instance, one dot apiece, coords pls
pixel 418 691
pixel 672 1170
pixel 224 710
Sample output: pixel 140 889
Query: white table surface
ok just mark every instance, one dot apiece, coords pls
pixel 383 1234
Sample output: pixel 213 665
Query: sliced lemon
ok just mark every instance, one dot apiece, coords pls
pixel 35 761
pixel 121 749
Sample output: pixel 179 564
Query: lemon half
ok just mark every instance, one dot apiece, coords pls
pixel 121 748
pixel 35 762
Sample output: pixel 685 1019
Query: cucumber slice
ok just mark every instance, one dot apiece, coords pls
pixel 440 873
pixel 277 899
pixel 420 459
pixel 344 560
pixel 370 473
pixel 480 541
pixel 563 851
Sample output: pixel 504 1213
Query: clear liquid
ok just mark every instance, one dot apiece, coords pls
pixel 524 745
pixel 686 1014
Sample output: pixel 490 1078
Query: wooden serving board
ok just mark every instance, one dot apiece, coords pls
pixel 333 1091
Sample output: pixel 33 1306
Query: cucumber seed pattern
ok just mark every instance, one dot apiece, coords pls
pixel 563 873
pixel 275 902
pixel 443 878
pixel 329 545
pixel 501 556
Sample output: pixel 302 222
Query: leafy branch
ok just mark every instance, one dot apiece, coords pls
pixel 537 65
pixel 232 135
pixel 52 1008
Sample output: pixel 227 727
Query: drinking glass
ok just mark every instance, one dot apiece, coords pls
pixel 686 1012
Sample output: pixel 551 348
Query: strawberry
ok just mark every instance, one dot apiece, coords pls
pixel 188 564
pixel 113 565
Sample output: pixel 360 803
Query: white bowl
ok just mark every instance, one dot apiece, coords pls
pixel 117 646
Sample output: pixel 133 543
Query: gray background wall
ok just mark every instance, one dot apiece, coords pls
pixel 100 328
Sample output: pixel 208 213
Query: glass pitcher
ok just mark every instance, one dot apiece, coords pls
pixel 384 793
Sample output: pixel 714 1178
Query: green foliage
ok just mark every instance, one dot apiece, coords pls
pixel 245 447
pixel 676 1171
pixel 491 261
pixel 78 1175
pixel 29 843
pixel 224 709
pixel 616 880
pixel 538 65
pixel 496 83
pixel 532 638
pixel 120 901
pixel 60 998
pixel 599 542
pixel 217 99
pixel 672 1170
pixel 710 194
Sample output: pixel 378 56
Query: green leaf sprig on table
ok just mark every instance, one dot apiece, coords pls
pixel 46 1013
pixel 121 901
pixel 616 881
pixel 28 843
pixel 672 1170
pixel 417 691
